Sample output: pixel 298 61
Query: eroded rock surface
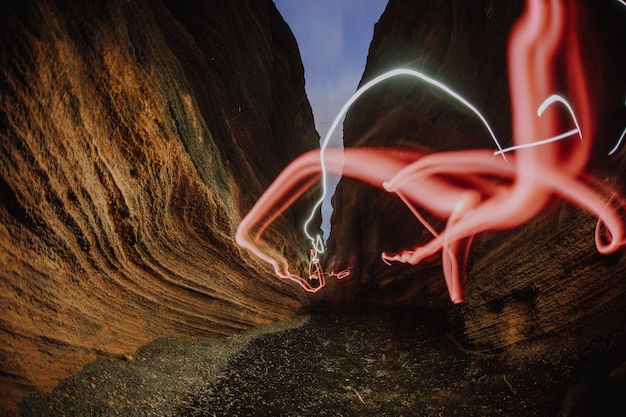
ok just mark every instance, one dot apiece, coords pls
pixel 133 138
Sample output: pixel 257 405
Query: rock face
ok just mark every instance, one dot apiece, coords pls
pixel 544 278
pixel 133 138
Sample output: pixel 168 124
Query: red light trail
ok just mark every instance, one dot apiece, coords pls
pixel 474 190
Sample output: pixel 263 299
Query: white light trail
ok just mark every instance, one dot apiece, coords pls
pixel 317 241
pixel 619 142
pixel 555 98
pixel 621 138
pixel 540 142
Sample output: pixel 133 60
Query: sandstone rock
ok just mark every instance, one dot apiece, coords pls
pixel 133 138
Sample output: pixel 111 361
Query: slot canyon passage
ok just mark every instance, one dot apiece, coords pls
pixel 136 136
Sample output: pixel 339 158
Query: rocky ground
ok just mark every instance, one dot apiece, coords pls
pixel 363 360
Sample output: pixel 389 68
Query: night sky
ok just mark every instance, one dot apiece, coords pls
pixel 334 38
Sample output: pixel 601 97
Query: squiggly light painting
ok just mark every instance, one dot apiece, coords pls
pixel 474 190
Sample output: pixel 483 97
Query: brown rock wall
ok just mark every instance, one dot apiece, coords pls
pixel 133 138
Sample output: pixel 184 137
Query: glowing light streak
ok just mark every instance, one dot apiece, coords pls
pixel 540 142
pixel 555 98
pixel 298 177
pixel 619 142
pixel 474 191
pixel 316 241
pixel 317 274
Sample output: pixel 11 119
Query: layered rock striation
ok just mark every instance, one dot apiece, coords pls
pixel 133 138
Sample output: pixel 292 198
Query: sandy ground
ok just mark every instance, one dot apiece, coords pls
pixel 364 361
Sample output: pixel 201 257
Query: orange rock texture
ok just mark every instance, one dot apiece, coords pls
pixel 133 138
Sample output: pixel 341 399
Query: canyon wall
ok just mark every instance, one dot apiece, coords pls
pixel 134 136
pixel 544 278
